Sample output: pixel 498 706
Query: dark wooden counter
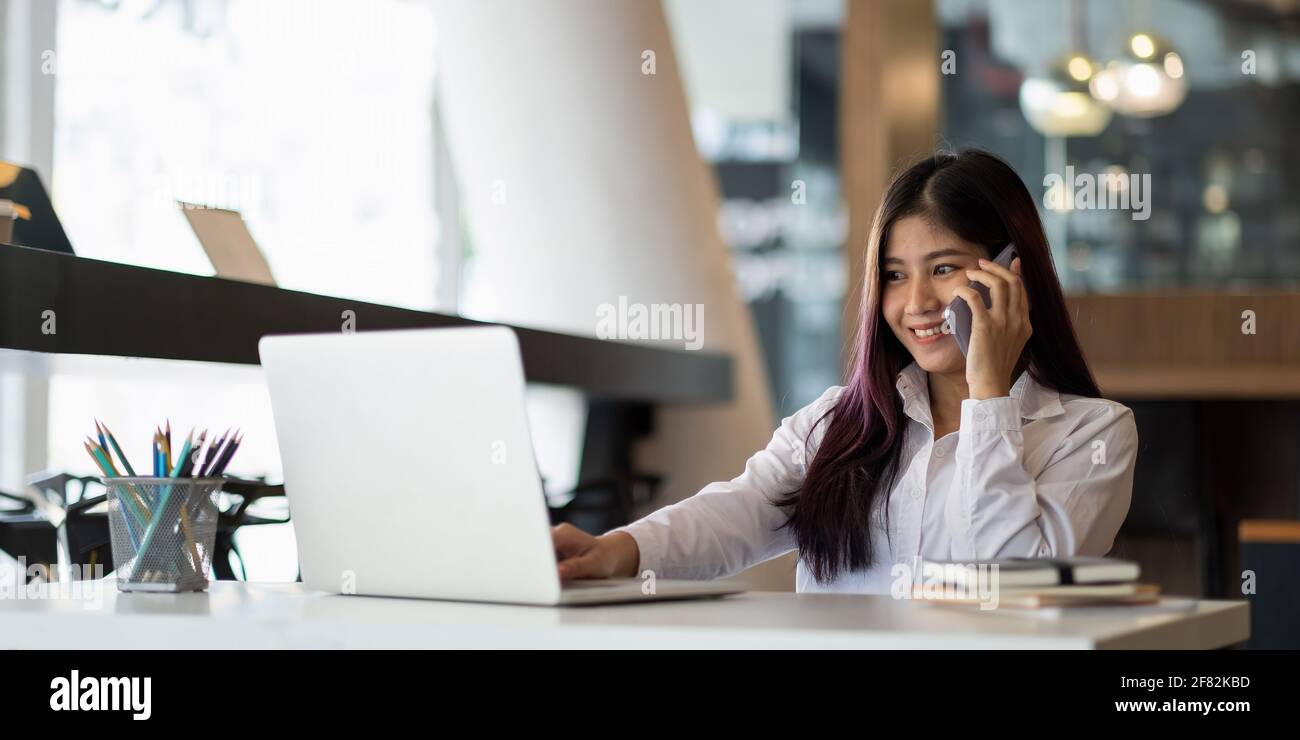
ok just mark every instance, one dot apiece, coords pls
pixel 105 308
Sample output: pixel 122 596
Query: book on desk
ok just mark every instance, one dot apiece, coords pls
pixel 1033 583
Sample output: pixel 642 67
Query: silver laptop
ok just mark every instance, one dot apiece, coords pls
pixel 409 470
pixel 229 244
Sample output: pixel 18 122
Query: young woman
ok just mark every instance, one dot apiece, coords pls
pixel 924 454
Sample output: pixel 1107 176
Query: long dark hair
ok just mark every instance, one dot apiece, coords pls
pixel 978 197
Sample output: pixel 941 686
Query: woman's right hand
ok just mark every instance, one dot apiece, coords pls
pixel 580 555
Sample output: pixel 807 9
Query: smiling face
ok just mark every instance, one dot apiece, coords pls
pixel 923 263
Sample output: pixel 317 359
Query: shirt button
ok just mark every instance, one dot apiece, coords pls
pixel 940 452
pixel 981 415
pixel 916 492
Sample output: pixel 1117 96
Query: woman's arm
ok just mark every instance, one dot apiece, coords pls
pixel 1074 507
pixel 731 525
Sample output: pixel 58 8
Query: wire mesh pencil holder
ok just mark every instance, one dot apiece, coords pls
pixel 162 531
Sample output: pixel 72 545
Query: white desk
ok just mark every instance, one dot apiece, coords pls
pixel 285 615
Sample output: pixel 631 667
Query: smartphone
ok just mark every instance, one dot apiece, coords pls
pixel 957 316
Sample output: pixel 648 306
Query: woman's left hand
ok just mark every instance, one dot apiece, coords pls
pixel 999 332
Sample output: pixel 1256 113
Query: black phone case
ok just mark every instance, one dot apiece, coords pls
pixel 958 315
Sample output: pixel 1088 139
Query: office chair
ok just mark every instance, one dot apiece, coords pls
pixel 82 534
pixel 27 534
pixel 599 505
pixel 229 522
pixel 1172 529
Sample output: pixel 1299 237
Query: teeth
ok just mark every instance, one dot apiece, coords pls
pixel 940 329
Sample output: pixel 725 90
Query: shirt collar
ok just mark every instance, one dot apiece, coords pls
pixel 1036 401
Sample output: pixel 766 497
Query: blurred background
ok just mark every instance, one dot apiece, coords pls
pixel 528 161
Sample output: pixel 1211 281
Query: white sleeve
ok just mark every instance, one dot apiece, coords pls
pixel 732 525
pixel 1074 507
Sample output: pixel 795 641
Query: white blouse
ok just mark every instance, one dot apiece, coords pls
pixel 1032 474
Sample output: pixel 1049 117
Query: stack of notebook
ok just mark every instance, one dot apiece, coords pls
pixel 1033 583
